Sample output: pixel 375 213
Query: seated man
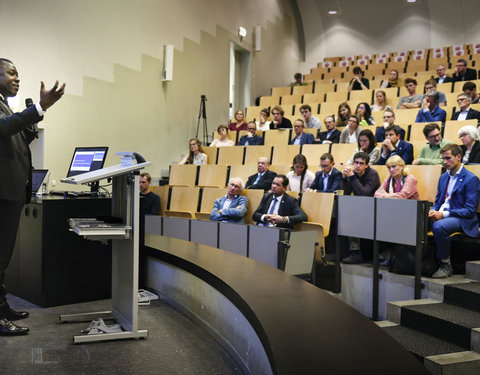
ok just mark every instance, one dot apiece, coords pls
pixel 251 138
pixel 470 89
pixel 279 122
pixel 413 100
pixel 332 134
pixel 362 181
pixel 465 112
pixel 232 207
pixel 263 179
pixel 310 121
pixel 430 86
pixel 329 179
pixel 430 153
pixel 278 209
pixel 388 120
pixel 152 200
pixel 301 138
pixel 455 207
pixel 442 77
pixel 462 73
pixel 393 145
pixel 430 110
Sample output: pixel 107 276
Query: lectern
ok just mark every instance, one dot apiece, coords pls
pixel 124 233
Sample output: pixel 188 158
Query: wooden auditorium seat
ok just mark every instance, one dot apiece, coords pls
pixel 281 169
pixel 253 153
pixel 361 95
pixel 341 96
pixel 277 137
pixel 313 98
pixel 382 171
pixel 405 117
pixel 342 152
pixel 211 153
pixel 269 101
pixel 451 129
pixel 183 175
pixel 209 194
pixel 291 99
pixel 313 152
pixel 322 87
pixel 427 180
pixel 301 90
pixel 162 192
pixel 183 201
pixel 254 198
pixel 253 112
pixel 212 175
pixel 243 171
pixel 280 91
pixel 415 133
pixel 284 154
pixel 231 155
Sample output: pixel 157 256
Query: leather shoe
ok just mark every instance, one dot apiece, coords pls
pixel 7 328
pixel 355 257
pixel 11 314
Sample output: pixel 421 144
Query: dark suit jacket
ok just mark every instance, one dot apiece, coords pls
pixel 472 114
pixel 264 183
pixel 15 157
pixel 288 207
pixel 447 79
pixel 474 156
pixel 252 141
pixel 305 139
pixel 469 75
pixel 464 200
pixel 380 134
pixel 334 181
pixel 334 137
pixel 404 150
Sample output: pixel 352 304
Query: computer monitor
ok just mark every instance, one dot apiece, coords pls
pixel 87 159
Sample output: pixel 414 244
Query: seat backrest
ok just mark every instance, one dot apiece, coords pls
pixel 452 127
pixel 277 137
pixel 211 153
pixel 319 208
pixel 281 169
pixel 183 175
pixel 284 154
pixel 280 91
pixel 231 155
pixel 253 153
pixel 209 194
pixel 361 96
pixel 212 175
pixel 184 198
pixel 416 131
pixel 475 169
pixel 313 153
pixel 291 99
pixel 322 87
pixel 329 108
pixel 243 171
pixel 162 192
pixel 254 198
pixel 405 117
pixel 267 101
pixel 381 170
pixel 300 90
pixel 253 112
pixel 337 96
pixel 427 180
pixel 312 98
pixel 342 152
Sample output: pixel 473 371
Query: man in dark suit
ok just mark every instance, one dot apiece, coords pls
pixel 332 134
pixel 301 138
pixel 455 207
pixel 279 122
pixel 17 130
pixel 251 138
pixel 465 112
pixel 329 179
pixel 462 73
pixel 442 77
pixel 388 120
pixel 393 145
pixel 263 179
pixel 278 209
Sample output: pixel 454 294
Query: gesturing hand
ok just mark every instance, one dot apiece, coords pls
pixel 50 97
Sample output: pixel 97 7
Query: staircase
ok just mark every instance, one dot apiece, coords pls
pixel 444 335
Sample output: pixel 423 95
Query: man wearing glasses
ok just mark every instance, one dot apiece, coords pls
pixel 465 112
pixel 430 110
pixel 310 121
pixel 251 138
pixel 430 86
pixel 462 73
pixel 388 120
pixel 442 77
pixel 329 179
pixel 430 153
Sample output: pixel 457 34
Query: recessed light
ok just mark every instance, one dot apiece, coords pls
pixel 332 12
pixel 411 1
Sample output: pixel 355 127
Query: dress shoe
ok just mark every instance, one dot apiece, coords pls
pixel 445 270
pixel 355 257
pixel 7 328
pixel 11 314
pixel 387 260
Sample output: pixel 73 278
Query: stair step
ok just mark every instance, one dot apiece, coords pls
pixel 465 295
pixel 464 363
pixel 445 321
pixel 473 270
pixel 421 344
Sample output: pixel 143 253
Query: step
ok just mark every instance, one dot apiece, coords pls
pixel 461 363
pixel 465 295
pixel 394 308
pixel 445 321
pixel 473 270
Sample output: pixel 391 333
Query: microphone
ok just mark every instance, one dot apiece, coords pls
pixel 34 127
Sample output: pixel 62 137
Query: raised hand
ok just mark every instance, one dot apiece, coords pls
pixel 50 97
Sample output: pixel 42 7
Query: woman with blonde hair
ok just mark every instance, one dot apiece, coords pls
pixel 238 123
pixel 399 184
pixel 196 155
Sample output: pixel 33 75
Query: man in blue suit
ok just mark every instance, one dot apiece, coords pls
pixel 329 179
pixel 232 207
pixel 301 138
pixel 455 207
pixel 430 110
pixel 251 138
pixel 393 145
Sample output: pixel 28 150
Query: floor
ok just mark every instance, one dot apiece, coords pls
pixel 175 345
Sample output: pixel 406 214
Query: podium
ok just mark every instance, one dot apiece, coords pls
pixel 125 249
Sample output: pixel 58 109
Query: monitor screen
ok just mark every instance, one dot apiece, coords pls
pixel 87 159
pixel 38 176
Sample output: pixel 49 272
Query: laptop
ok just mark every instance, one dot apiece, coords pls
pixel 39 176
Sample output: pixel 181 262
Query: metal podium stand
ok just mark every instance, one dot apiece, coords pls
pixel 125 250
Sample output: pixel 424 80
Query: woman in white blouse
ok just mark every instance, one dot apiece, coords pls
pixel 196 154
pixel 262 123
pixel 222 131
pixel 300 177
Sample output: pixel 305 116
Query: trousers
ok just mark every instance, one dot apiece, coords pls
pixel 442 229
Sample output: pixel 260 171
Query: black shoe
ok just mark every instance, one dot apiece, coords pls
pixel 354 258
pixel 7 328
pixel 11 314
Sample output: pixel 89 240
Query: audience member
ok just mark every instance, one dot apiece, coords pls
pixel 310 121
pixel 262 123
pixel 471 145
pixel 442 77
pixel 279 122
pixel 465 112
pixel 399 184
pixel 430 153
pixel 195 155
pixel 239 122
pixel 364 114
pixel 151 200
pixel 301 138
pixel 329 179
pixel 393 80
pixel 263 179
pixel 251 138
pixel 388 120
pixel 278 208
pixel 232 207
pixel 358 82
pixel 360 180
pixel 380 102
pixel 366 143
pixel 298 80
pixel 470 89
pixel 462 73
pixel 431 86
pixel 393 145
pixel 332 134
pixel 300 178
pixel 222 131
pixel 455 207
pixel 413 100
pixel 351 132
pixel 430 110
pixel 344 113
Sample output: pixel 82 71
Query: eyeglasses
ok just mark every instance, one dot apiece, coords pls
pixel 429 88
pixel 434 136
pixel 463 135
pixel 192 144
pixel 461 99
pixel 359 162
pixel 252 128
pixel 387 116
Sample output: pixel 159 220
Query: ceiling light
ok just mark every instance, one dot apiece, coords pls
pixel 332 12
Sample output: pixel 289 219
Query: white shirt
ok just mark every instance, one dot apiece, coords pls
pixel 295 181
pixel 263 127
pixel 463 114
pixel 445 207
pixel 39 108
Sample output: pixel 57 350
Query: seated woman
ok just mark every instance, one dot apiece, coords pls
pixel 196 154
pixel 239 122
pixel 262 123
pixel 380 102
pixel 393 80
pixel 399 184
pixel 344 113
pixel 358 82
pixel 300 177
pixel 364 114
pixel 352 131
pixel 222 131
pixel 471 146
pixel 366 142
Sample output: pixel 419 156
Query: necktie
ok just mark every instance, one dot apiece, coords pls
pixel 258 178
pixel 272 208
